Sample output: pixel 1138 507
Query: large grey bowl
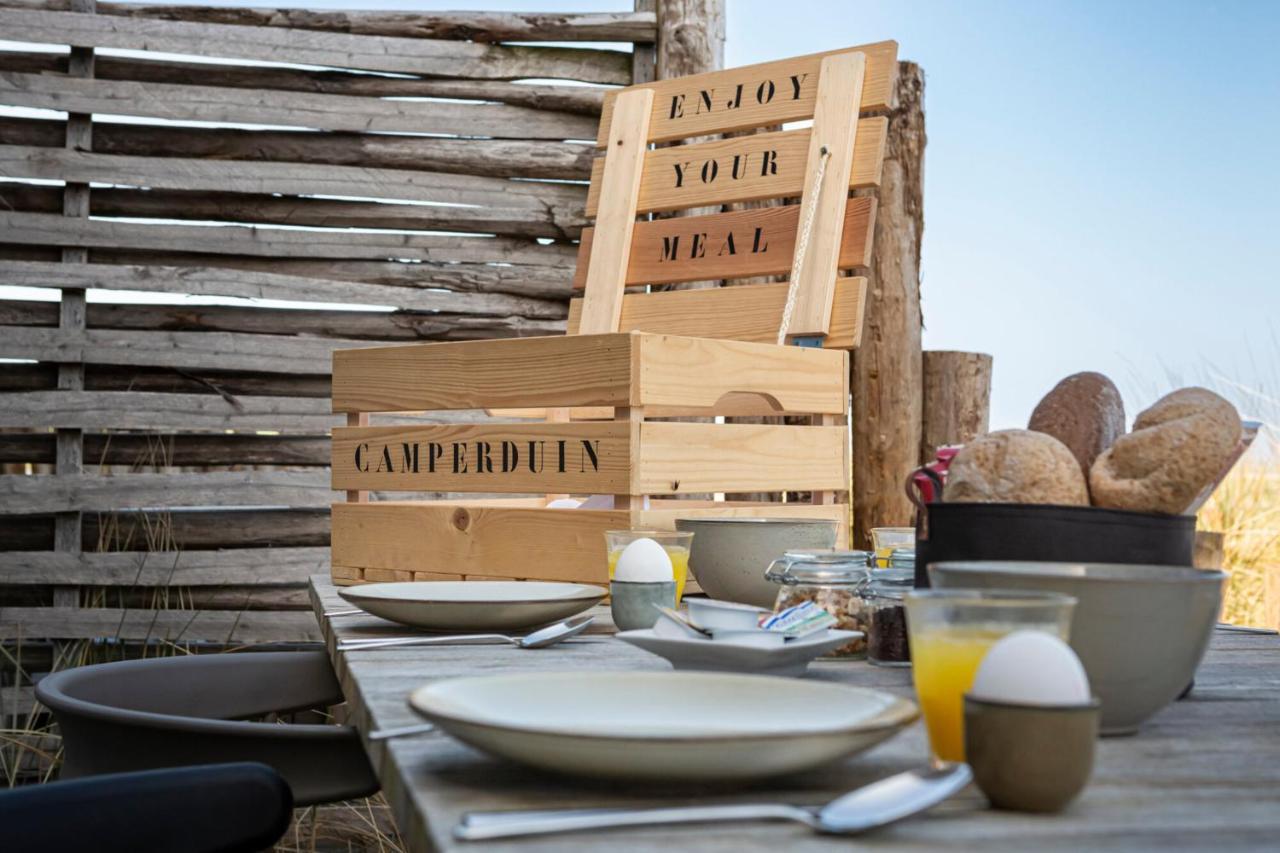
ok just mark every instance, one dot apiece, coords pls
pixel 729 556
pixel 1140 631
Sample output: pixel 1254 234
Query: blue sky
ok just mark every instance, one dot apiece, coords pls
pixel 1100 180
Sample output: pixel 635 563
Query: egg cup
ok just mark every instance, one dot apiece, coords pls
pixel 635 603
pixel 1030 758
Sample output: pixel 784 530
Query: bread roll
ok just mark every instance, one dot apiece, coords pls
pixel 1016 466
pixel 1177 447
pixel 1084 412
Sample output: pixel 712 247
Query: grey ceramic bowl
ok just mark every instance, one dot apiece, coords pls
pixel 1140 631
pixel 729 556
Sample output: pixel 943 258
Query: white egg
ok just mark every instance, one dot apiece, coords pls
pixel 643 561
pixel 1031 668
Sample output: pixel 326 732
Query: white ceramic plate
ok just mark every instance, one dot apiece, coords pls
pixel 688 726
pixel 473 605
pixel 790 659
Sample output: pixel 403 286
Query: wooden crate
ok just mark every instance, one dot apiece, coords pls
pixel 633 358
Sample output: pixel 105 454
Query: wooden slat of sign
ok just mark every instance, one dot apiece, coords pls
pixel 744 168
pixel 749 313
pixel 430 57
pixel 213 281
pixel 686 371
pixel 175 626
pixel 574 370
pixel 771 93
pixel 91 492
pixel 302 109
pixel 239 566
pixel 589 458
pixel 835 123
pixel 616 218
pixel 738 244
pixel 681 458
pixel 283 178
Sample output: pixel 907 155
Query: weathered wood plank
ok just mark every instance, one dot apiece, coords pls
pixel 38 493
pixel 232 566
pixel 771 93
pixel 737 244
pixel 476 26
pixel 361 114
pixel 433 57
pixel 173 449
pixel 175 626
pixel 283 178
pixel 580 100
pixel 39 376
pixel 186 529
pixel 212 281
pixel 498 158
pixel 98 410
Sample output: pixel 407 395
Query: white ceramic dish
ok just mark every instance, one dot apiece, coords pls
pixel 728 615
pixel 655 726
pixel 755 637
pixel 473 605
pixel 791 658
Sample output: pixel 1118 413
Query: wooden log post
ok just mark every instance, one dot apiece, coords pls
pixel 886 380
pixel 956 399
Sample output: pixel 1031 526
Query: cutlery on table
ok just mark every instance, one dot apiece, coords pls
pixel 1244 629
pixel 865 808
pixel 354 611
pixel 539 639
pixel 401 731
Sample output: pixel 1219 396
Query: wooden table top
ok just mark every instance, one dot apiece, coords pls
pixel 1204 773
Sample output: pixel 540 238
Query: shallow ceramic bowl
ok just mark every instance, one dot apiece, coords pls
pixel 473 605
pixel 729 556
pixel 790 658
pixel 1140 631
pixel 662 726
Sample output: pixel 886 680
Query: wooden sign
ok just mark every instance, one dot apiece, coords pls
pixel 729 245
pixel 754 95
pixel 748 168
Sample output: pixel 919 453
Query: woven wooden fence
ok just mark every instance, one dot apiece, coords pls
pixel 165 465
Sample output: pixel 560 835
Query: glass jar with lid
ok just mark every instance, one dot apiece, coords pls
pixel 831 579
pixel 884 596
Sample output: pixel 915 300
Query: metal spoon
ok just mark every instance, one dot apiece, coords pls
pixel 539 639
pixel 871 806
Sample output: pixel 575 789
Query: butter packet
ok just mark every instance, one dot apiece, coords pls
pixel 801 620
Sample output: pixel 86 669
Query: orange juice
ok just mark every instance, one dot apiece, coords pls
pixel 679 565
pixel 945 661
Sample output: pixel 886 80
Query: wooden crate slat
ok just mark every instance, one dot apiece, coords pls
pixel 176 626
pixel 434 57
pixel 591 458
pixel 680 104
pixel 746 168
pixel 213 281
pixel 231 566
pixel 739 313
pixel 582 370
pixel 180 102
pixel 738 244
pixel 281 178
pixel 478 25
pixel 36 493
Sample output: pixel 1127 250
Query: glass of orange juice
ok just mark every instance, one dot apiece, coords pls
pixel 950 632
pixel 885 539
pixel 675 543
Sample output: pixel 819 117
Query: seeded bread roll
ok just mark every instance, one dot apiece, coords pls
pixel 1177 447
pixel 1084 412
pixel 1016 466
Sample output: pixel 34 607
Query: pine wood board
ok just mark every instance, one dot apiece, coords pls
pixel 751 313
pixel 737 244
pixel 679 108
pixel 743 168
pixel 432 57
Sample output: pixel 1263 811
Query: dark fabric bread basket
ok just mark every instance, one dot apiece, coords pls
pixel 981 531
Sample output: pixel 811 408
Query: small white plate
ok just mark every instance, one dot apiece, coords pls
pixel 790 659
pixel 473 605
pixel 685 726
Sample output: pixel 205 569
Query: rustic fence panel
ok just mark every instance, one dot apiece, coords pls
pixel 163 467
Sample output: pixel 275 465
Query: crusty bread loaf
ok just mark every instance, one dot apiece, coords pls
pixel 1177 447
pixel 1084 412
pixel 1016 466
